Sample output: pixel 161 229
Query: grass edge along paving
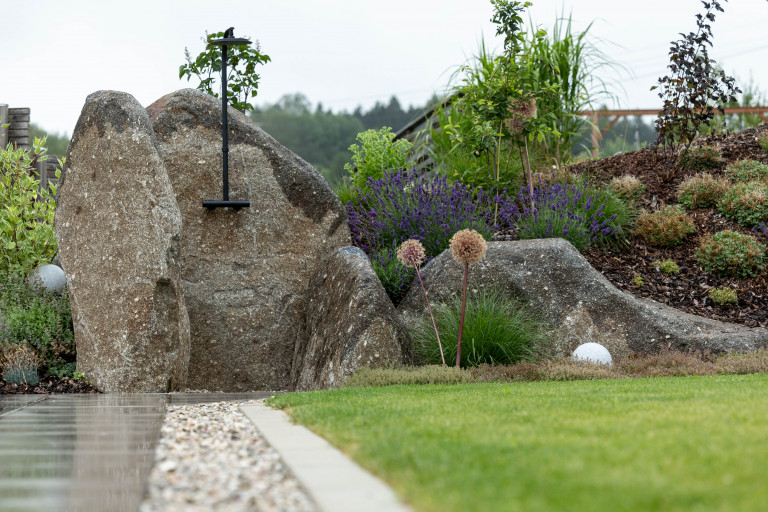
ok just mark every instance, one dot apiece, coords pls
pixel 664 443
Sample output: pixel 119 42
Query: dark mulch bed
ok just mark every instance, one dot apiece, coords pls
pixel 687 290
pixel 48 384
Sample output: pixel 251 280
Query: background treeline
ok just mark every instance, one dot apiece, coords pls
pixel 322 137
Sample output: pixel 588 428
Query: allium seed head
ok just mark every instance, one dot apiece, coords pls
pixel 468 246
pixel 411 253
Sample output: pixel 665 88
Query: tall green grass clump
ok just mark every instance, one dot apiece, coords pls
pixel 497 330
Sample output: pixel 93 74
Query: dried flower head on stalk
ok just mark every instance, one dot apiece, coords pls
pixel 411 254
pixel 467 246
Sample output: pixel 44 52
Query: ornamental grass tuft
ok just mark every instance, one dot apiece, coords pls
pixel 496 330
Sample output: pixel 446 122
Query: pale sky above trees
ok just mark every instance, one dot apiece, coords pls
pixel 342 53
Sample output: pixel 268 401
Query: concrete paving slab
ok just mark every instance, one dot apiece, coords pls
pixel 90 452
pixel 336 483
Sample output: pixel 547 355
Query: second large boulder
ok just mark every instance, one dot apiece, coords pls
pixel 245 272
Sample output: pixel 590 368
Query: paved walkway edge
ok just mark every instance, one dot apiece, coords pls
pixel 334 481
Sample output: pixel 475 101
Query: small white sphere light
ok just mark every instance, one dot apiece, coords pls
pixel 594 353
pixel 51 277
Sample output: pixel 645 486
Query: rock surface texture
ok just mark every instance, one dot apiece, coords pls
pixel 349 322
pixel 119 236
pixel 245 272
pixel 579 304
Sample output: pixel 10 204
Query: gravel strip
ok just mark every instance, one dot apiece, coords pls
pixel 211 457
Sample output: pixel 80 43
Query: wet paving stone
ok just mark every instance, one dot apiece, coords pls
pixel 83 452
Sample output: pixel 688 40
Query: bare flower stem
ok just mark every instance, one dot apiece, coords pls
pixel 429 307
pixel 463 309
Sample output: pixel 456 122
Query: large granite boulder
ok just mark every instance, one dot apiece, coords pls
pixel 245 272
pixel 349 322
pixel 578 302
pixel 119 236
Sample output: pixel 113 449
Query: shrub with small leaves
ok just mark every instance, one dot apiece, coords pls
pixel 627 188
pixel 668 267
pixel 746 203
pixel 377 152
pixel 729 253
pixel 638 281
pixel 667 227
pixel 722 296
pixel 747 170
pixel 20 365
pixel 27 237
pixel 700 158
pixel 701 191
pixel 39 317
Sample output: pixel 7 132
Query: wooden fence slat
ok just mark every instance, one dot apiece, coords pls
pixel 3 120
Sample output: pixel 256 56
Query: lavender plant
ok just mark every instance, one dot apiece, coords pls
pixel 578 213
pixel 403 205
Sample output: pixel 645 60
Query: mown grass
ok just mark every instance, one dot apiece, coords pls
pixel 665 443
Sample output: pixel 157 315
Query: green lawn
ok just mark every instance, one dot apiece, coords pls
pixel 674 443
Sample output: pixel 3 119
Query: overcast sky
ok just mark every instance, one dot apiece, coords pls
pixel 343 53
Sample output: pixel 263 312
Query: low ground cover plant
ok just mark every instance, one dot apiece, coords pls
pixel 698 158
pixel 667 227
pixel 722 296
pixel 627 188
pixel 747 170
pixel 40 319
pixel 19 364
pixel 729 253
pixel 669 267
pixel 701 191
pixel 746 203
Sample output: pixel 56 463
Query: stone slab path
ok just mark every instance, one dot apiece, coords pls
pixel 95 453
pixel 83 452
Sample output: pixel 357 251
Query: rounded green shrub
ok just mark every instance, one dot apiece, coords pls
pixel 667 227
pixel 746 203
pixel 722 296
pixel 701 191
pixel 729 253
pixel 700 158
pixel 747 170
pixel 497 330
